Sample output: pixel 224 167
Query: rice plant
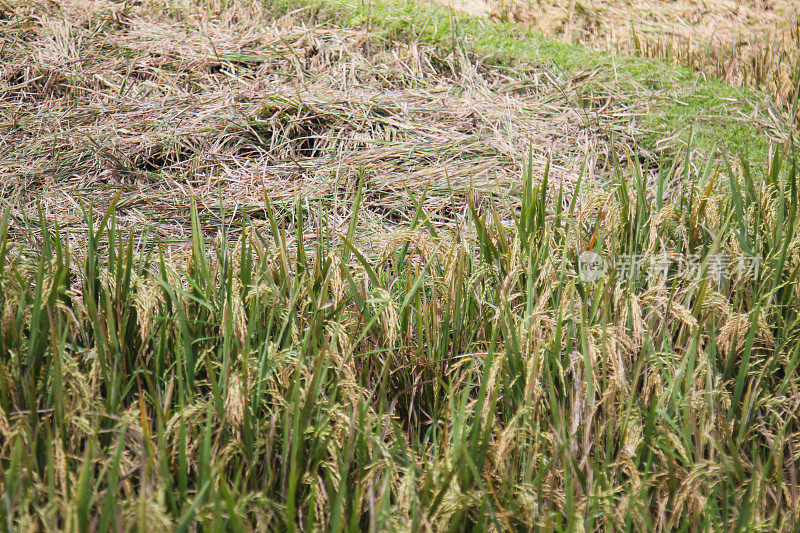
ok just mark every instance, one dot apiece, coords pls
pixel 470 379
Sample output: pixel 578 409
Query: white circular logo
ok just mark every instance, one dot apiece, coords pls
pixel 591 266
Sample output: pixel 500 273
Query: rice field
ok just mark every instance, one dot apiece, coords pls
pixel 272 266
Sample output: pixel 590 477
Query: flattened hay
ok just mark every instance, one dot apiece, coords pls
pixel 160 106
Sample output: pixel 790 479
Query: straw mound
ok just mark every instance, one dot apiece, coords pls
pixel 162 105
